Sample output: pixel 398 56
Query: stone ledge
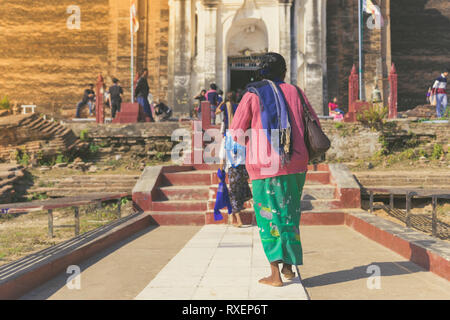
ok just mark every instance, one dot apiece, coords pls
pixel 19 277
pixel 430 253
pixel 136 130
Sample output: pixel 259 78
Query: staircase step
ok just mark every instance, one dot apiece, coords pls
pixel 197 177
pixel 179 205
pixel 184 193
pixel 316 192
pixel 185 218
pixel 207 177
pixel 318 176
pixel 310 191
pixel 10 167
pixel 10 181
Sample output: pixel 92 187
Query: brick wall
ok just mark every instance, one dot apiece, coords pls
pixel 45 63
pixel 342 49
pixel 420 46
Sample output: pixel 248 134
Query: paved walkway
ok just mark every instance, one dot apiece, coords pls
pixel 220 262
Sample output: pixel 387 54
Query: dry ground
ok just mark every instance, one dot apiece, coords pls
pixel 28 233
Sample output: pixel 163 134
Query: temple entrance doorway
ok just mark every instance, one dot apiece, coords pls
pixel 242 70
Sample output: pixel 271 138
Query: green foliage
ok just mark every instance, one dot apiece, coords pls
pixel 408 154
pixel 37 196
pixel 5 104
pixel 84 135
pixel 338 125
pixel 159 156
pixel 60 158
pixel 373 115
pixel 423 153
pixel 438 151
pixel 93 148
pixel 22 157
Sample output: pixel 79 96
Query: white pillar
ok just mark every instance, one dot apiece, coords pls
pixel 180 55
pixel 315 54
pixel 284 13
pixel 210 41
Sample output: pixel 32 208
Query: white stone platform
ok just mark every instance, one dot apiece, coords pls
pixel 220 263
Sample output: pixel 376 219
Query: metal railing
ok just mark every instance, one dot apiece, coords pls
pixel 409 194
pixel 66 202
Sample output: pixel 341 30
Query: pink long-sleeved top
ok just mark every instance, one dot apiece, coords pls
pixel 261 160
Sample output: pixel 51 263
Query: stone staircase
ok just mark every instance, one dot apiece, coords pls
pixel 187 195
pixel 34 133
pixel 83 184
pixel 10 175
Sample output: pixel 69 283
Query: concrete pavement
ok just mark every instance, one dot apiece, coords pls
pixel 220 262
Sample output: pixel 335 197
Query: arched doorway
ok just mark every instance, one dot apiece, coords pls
pixel 246 42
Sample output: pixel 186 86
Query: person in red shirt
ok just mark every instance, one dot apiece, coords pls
pixel 276 161
pixel 334 107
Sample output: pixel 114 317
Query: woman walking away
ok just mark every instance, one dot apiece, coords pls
pixel 239 191
pixel 276 162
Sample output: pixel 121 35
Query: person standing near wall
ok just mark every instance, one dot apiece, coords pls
pixel 142 91
pixel 213 98
pixel 200 97
pixel 439 91
pixel 88 99
pixel 116 93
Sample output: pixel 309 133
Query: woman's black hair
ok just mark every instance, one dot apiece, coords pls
pixel 272 66
pixel 213 86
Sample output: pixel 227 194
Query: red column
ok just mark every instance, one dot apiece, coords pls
pixel 99 106
pixel 206 114
pixel 353 89
pixel 393 85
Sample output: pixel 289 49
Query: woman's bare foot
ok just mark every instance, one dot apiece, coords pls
pixel 287 272
pixel 239 221
pixel 271 282
pixel 274 279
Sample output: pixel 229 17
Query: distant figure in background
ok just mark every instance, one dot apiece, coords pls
pixel 212 97
pixel 88 99
pixel 239 94
pixel 142 91
pixel 219 115
pixel 429 99
pixel 162 111
pixel 116 93
pixel 439 93
pixel 334 107
pixel 200 97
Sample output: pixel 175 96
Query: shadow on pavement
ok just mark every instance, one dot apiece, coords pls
pixel 362 272
pixel 55 284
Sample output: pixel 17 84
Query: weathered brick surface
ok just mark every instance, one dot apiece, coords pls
pixel 342 49
pixel 45 63
pixel 420 46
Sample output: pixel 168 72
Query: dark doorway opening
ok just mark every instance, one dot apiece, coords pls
pixel 241 78
pixel 242 70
